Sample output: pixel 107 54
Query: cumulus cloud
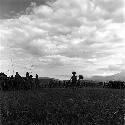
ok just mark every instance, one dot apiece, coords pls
pixel 67 35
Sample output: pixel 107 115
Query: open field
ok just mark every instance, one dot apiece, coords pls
pixel 85 106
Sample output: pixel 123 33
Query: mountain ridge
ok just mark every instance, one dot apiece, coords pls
pixel 117 77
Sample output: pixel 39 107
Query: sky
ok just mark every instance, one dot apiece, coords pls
pixel 55 37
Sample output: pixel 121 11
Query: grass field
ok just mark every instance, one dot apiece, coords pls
pixel 85 106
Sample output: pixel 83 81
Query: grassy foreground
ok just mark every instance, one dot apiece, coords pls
pixel 85 106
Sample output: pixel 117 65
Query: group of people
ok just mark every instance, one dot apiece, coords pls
pixel 78 82
pixel 109 84
pixel 17 82
pixel 74 80
pixel 28 82
pixel 72 83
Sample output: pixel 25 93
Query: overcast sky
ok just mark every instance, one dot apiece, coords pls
pixel 54 38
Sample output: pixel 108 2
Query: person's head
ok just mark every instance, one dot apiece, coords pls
pixel 31 76
pixel 16 73
pixel 11 76
pixel 36 76
pixel 27 74
pixel 80 76
pixel 74 73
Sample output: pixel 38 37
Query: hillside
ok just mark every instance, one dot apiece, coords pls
pixel 119 76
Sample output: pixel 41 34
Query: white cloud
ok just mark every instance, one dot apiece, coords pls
pixel 68 34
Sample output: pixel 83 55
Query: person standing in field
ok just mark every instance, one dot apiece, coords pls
pixel 79 80
pixel 31 81
pixel 17 80
pixel 73 79
pixel 37 81
pixel 27 81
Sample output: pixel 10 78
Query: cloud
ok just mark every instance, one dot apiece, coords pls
pixel 110 5
pixel 66 34
pixel 119 67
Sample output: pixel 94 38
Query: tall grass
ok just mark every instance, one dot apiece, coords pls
pixel 60 106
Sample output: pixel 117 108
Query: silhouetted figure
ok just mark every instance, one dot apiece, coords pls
pixel 27 75
pixel 74 79
pixel 17 81
pixel 31 82
pixel 27 81
pixel 79 80
pixel 37 81
pixel 3 81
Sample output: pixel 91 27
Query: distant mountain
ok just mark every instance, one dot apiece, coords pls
pixel 46 80
pixel 119 76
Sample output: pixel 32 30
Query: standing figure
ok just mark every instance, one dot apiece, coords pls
pixel 27 81
pixel 74 79
pixel 37 82
pixel 27 75
pixel 17 81
pixel 31 82
pixel 79 80
pixel 3 81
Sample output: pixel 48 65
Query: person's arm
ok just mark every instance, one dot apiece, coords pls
pixel 70 78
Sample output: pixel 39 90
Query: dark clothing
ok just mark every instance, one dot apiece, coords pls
pixel 74 80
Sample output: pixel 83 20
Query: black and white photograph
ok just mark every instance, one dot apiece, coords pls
pixel 62 62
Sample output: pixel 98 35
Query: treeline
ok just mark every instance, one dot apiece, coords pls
pixel 83 83
pixel 28 82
